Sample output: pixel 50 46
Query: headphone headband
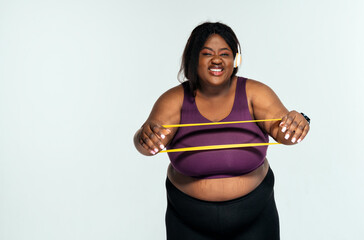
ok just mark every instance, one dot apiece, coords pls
pixel 238 59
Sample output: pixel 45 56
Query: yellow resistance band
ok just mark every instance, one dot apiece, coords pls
pixel 218 123
pixel 211 147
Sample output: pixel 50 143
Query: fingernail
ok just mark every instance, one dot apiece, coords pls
pixel 155 149
pixel 152 152
pixel 293 140
pixel 299 140
pixel 161 146
pixel 162 136
pixel 169 131
pixel 281 124
pixel 284 129
pixel 287 136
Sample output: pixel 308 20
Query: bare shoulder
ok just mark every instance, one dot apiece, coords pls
pixel 264 101
pixel 256 88
pixel 172 97
pixel 174 93
pixel 168 106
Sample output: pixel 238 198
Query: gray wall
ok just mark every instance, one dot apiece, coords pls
pixel 78 78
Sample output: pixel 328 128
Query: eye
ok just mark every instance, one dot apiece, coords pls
pixel 206 54
pixel 224 54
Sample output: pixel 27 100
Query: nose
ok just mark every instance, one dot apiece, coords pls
pixel 216 59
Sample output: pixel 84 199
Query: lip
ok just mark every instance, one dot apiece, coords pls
pixel 216 71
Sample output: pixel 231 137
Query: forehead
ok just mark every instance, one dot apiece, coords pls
pixel 216 40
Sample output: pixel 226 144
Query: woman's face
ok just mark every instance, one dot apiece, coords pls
pixel 216 61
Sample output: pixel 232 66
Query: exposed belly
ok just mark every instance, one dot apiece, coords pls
pixel 218 189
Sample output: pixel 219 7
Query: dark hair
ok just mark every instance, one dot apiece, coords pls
pixel 199 36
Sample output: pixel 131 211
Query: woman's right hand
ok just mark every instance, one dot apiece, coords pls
pixel 151 137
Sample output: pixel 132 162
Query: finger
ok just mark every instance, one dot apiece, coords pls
pixel 298 132
pixel 287 127
pixel 287 120
pixel 156 140
pixel 161 131
pixel 304 133
pixel 164 132
pixel 148 141
pixel 143 143
pixel 283 121
pixel 145 146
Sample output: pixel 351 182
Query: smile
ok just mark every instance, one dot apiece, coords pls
pixel 216 71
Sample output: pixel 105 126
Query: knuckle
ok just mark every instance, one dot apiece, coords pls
pixel 143 135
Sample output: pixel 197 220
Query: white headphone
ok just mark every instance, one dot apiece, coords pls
pixel 237 59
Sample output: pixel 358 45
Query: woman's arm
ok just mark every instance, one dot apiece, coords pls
pixel 265 104
pixel 152 137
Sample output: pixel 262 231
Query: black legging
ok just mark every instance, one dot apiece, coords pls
pixel 251 217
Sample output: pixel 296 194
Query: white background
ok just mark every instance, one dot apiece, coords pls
pixel 78 78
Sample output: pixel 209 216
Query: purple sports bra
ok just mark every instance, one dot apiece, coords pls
pixel 223 162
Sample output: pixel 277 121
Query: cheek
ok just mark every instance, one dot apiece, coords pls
pixel 202 62
pixel 199 72
pixel 201 66
pixel 230 66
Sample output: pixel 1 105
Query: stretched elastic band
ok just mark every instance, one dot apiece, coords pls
pixel 218 123
pixel 212 147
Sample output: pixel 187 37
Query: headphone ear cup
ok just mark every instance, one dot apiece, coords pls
pixel 237 60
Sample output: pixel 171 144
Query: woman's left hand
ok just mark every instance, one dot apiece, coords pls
pixel 294 126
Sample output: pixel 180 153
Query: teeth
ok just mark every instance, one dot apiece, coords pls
pixel 216 70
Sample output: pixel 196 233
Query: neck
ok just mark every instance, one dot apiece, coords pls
pixel 209 91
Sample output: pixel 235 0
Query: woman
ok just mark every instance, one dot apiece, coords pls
pixel 225 193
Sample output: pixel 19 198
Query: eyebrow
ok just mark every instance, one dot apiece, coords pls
pixel 213 50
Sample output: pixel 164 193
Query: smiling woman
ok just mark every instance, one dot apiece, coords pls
pixel 219 193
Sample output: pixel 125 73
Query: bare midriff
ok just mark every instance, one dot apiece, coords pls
pixel 218 189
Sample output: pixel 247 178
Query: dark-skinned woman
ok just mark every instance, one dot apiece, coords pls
pixel 219 193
